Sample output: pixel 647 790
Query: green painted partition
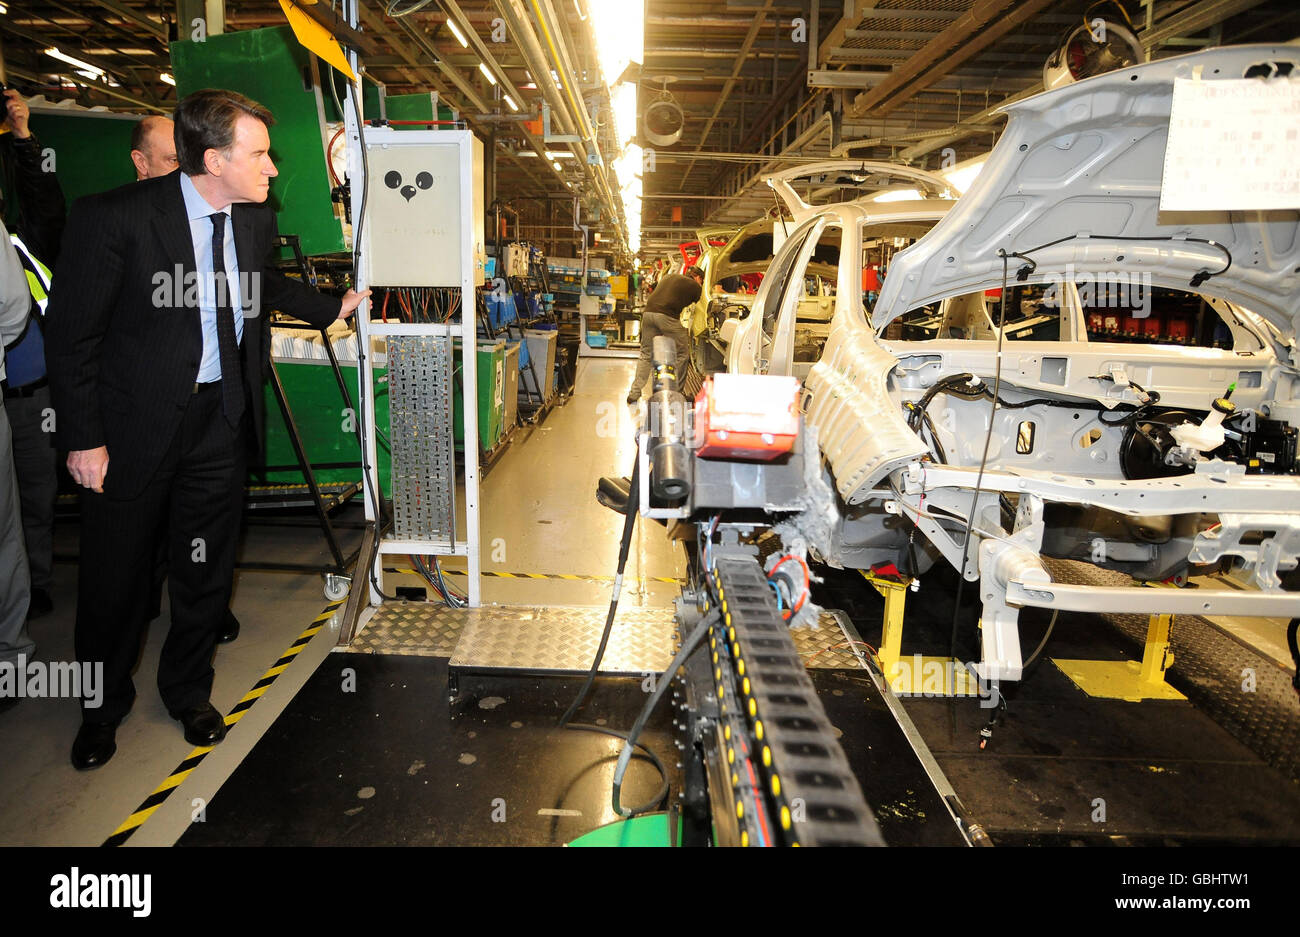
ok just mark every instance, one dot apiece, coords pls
pixel 272 68
pixel 92 151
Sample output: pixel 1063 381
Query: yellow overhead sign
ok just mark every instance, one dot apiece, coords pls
pixel 316 37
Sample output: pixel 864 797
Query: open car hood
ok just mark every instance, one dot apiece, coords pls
pixel 874 175
pixel 1082 164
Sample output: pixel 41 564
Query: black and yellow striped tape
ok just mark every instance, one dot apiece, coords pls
pixel 569 576
pixel 195 758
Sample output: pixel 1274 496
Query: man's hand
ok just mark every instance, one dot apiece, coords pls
pixel 351 300
pixel 88 467
pixel 17 113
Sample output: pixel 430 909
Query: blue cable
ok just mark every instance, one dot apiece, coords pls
pixel 780 605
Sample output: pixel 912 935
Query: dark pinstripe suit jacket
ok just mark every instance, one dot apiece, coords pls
pixel 123 341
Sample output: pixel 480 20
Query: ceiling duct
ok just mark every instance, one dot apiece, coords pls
pixel 663 121
pixel 1092 48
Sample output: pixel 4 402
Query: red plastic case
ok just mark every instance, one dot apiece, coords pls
pixel 747 416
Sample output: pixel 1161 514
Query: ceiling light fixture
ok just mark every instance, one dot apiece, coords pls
pixel 83 66
pixel 457 33
pixel 492 79
pixel 510 102
pixel 559 154
pixel 168 79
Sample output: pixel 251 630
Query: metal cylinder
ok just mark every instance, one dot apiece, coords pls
pixel 670 463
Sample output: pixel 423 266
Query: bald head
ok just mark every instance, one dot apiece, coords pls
pixel 153 148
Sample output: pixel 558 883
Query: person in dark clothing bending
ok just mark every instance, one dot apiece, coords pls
pixel 662 316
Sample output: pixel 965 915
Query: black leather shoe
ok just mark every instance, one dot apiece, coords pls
pixel 41 605
pixel 94 746
pixel 228 630
pixel 203 725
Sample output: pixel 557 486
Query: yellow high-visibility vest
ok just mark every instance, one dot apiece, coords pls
pixel 39 277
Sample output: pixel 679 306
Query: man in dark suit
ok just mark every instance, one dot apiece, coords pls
pixel 157 345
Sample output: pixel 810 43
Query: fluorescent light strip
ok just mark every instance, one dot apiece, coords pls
pixel 457 33
pixel 510 102
pixel 168 79
pixel 85 66
pixel 492 79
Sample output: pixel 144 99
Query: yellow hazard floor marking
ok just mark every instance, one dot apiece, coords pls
pixel 568 576
pixel 192 760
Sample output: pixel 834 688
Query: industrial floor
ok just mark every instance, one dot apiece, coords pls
pixel 368 748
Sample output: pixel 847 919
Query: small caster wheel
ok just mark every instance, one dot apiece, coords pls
pixel 337 587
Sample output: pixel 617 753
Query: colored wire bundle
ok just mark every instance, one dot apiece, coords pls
pixel 804 593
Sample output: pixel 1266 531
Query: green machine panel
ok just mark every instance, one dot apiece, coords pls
pixel 269 66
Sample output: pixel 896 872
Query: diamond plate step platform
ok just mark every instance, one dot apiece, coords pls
pixel 417 629
pixel 1246 692
pixel 563 639
pixel 833 645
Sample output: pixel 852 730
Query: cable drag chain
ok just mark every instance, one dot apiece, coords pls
pixel 809 790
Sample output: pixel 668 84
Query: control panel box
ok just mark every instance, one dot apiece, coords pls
pixel 424 209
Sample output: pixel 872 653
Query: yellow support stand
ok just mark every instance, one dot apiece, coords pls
pixel 1127 679
pixel 916 675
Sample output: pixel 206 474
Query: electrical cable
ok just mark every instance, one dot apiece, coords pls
pixel 1197 279
pixel 625 756
pixel 624 547
pixel 415 6
pixel 329 150
pixel 1291 630
pixel 371 485
pixel 628 738
pixel 780 602
pixel 1041 644
pixel 979 479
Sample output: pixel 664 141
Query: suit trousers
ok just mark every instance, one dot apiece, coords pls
pixel 14 582
pixel 198 489
pixel 37 464
pixel 652 325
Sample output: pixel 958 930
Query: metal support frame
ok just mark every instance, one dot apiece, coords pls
pixel 913 675
pixel 1127 679
pixel 467 545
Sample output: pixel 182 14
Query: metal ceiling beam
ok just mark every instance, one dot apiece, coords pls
pixel 117 29
pixel 453 75
pixel 135 16
pixel 973 124
pixel 376 22
pixel 697 52
pixel 984 23
pixel 90 85
pixel 42 42
pixel 759 18
pixel 507 86
pixel 337 26
pixel 1193 19
pixel 854 11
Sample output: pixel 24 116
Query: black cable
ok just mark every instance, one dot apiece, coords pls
pixel 1197 278
pixel 1041 644
pixel 624 547
pixel 625 756
pixel 372 490
pixel 662 792
pixel 1295 650
pixel 979 479
pixel 391 9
